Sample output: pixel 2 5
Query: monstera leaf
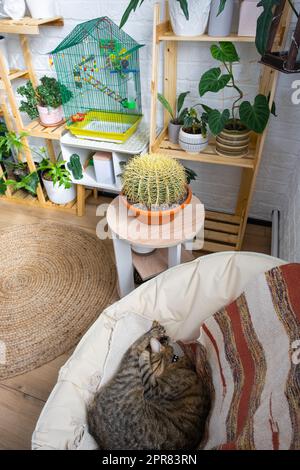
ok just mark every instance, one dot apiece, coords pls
pixel 217 120
pixel 213 81
pixel 225 52
pixel 264 24
pixel 255 116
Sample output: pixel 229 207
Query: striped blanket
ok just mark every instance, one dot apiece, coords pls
pixel 253 347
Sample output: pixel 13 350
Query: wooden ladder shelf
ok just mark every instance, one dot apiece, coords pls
pixel 223 232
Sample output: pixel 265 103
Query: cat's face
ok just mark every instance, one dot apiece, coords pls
pixel 161 355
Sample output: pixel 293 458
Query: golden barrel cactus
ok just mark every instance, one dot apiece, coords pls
pixel 154 180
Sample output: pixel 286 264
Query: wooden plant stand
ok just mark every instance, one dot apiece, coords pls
pixel 25 27
pixel 223 232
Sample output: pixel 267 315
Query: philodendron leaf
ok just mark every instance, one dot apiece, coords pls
pixel 255 116
pixel 165 104
pixel 218 120
pixel 213 81
pixel 224 52
pixel 180 100
pixel 184 8
pixel 221 6
pixel 264 23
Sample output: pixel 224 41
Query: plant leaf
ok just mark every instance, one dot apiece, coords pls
pixel 255 116
pixel 224 52
pixel 3 186
pixel 221 6
pixel 133 4
pixel 165 104
pixel 184 8
pixel 264 23
pixel 218 120
pixel 213 81
pixel 180 100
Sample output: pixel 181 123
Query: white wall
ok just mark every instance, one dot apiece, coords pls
pixel 216 185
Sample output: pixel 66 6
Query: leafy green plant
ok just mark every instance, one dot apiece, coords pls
pixel 180 113
pixel 154 180
pixel 56 172
pixel 193 124
pixel 29 183
pixel 50 93
pixel 253 116
pixel 10 142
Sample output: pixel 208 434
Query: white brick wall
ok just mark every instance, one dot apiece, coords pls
pixel 216 186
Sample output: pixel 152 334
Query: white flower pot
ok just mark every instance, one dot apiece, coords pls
pixel 50 117
pixel 249 14
pixel 198 17
pixel 220 25
pixel 59 194
pixel 42 8
pixel 15 9
pixel 192 143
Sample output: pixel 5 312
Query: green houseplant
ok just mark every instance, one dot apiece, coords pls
pixel 232 127
pixel 45 101
pixel 155 188
pixel 57 181
pixel 176 119
pixel 193 134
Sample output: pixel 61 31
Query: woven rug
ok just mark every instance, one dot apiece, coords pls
pixel 55 280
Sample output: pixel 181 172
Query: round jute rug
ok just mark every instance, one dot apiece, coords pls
pixel 55 280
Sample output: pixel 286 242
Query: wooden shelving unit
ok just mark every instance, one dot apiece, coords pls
pixel 223 232
pixel 25 27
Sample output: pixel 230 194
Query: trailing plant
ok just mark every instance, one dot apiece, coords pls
pixel 50 94
pixel 56 172
pixel 154 180
pixel 180 113
pixel 193 124
pixel 75 166
pixel 242 113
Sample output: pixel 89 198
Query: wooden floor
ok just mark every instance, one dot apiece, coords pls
pixel 22 398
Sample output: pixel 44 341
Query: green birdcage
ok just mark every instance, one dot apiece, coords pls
pixel 99 64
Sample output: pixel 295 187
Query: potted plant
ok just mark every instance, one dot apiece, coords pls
pixel 42 9
pixel 193 134
pixel 232 128
pixel 176 120
pixel 57 181
pixel 45 101
pixel 29 182
pixel 188 17
pixel 155 188
pixel 220 19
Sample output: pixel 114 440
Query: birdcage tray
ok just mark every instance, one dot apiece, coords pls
pixel 113 127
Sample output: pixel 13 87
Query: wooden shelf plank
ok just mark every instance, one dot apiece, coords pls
pixel 223 217
pixel 14 75
pixel 214 247
pixel 28 25
pixel 170 36
pixel 208 156
pixel 35 129
pixel 220 237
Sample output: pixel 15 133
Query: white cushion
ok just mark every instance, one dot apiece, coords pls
pixel 181 299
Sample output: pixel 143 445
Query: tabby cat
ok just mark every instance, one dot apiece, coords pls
pixel 151 402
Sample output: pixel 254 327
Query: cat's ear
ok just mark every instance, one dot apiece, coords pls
pixel 155 345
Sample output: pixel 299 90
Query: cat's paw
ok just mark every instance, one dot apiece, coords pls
pixel 157 330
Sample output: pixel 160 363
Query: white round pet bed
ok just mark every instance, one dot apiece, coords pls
pixel 181 299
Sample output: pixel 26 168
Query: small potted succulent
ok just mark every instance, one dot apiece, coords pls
pixel 232 128
pixel 155 188
pixel 45 101
pixel 193 134
pixel 176 120
pixel 57 181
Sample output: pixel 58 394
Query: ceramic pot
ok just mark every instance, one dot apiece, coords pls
pixel 3 48
pixel 234 144
pixel 198 17
pixel 220 25
pixel 173 132
pixel 50 117
pixel 249 14
pixel 42 8
pixel 142 250
pixel 157 217
pixel 59 194
pixel 14 9
pixel 192 143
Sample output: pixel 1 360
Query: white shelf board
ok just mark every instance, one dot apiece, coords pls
pixel 136 144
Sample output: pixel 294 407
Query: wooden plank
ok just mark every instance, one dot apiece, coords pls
pixel 170 36
pixel 35 129
pixel 4 74
pixel 159 139
pixel 223 217
pixel 50 150
pixel 220 237
pixel 28 25
pixel 222 227
pixel 80 200
pixel 214 247
pixel 28 59
pixel 154 76
pixel 170 77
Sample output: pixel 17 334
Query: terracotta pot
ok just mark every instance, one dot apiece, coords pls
pixel 192 143
pixel 234 144
pixel 50 117
pixel 157 217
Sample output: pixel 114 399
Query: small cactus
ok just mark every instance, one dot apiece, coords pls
pixel 75 167
pixel 154 180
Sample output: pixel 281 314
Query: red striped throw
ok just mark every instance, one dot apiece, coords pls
pixel 253 347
